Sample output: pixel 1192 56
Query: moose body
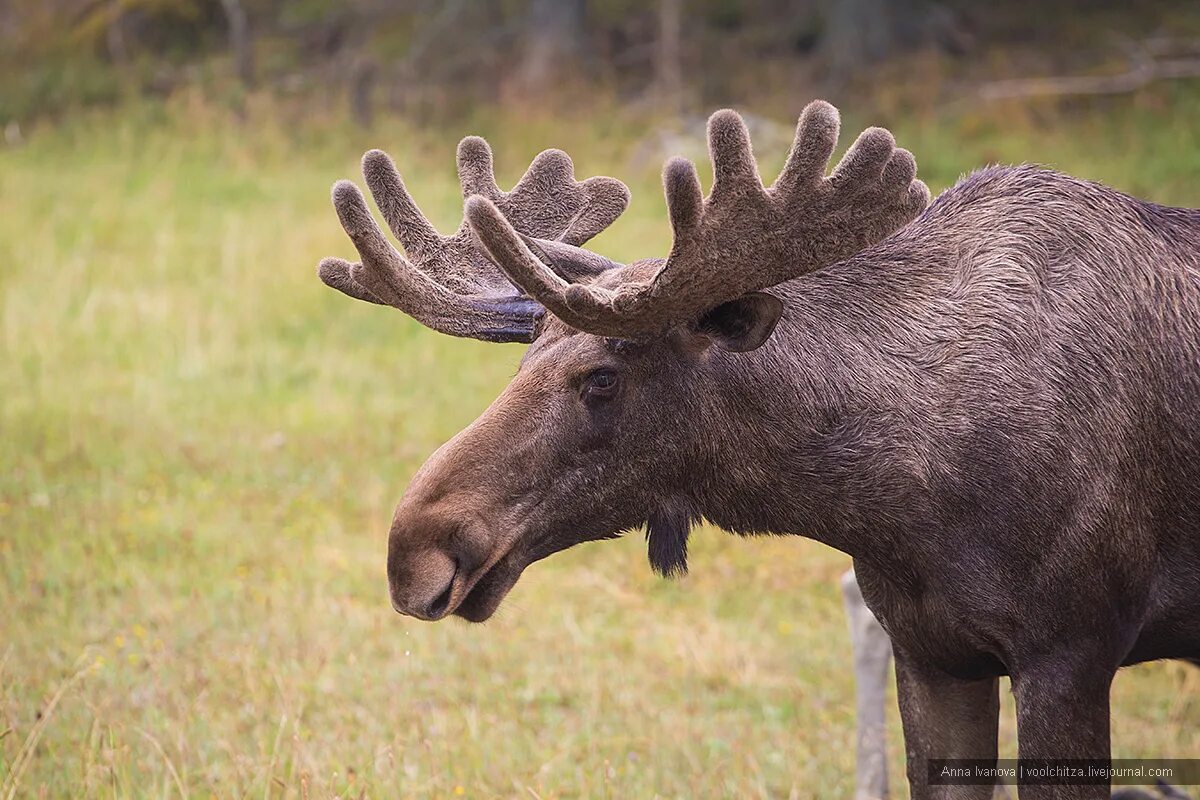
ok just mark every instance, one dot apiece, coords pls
pixel 995 410
pixel 1029 502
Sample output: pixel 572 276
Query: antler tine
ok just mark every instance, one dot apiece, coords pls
pixel 816 137
pixel 410 226
pixel 743 237
pixel 585 307
pixel 606 199
pixel 476 172
pixel 548 167
pixel 335 273
pixel 866 158
pixel 449 284
pixel 388 279
pixel 506 247
pixel 735 173
pixel 685 203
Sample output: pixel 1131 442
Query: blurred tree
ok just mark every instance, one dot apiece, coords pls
pixel 425 57
pixel 668 65
pixel 859 33
pixel 240 40
pixel 554 42
pixel 121 28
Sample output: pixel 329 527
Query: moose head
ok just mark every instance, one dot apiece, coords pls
pixel 630 405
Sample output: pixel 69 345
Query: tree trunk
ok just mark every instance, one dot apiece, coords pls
pixel 554 41
pixel 362 91
pixel 668 64
pixel 240 40
pixel 860 32
pixel 114 37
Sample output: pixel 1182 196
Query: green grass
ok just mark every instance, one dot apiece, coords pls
pixel 200 448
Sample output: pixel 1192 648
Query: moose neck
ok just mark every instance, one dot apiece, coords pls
pixel 827 440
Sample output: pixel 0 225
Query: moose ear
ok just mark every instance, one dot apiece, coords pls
pixel 741 325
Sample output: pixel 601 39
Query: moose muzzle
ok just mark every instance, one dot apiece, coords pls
pixel 441 538
pixel 422 584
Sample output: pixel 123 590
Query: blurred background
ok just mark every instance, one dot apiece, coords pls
pixel 200 445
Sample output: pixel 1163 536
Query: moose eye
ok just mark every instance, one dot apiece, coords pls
pixel 600 384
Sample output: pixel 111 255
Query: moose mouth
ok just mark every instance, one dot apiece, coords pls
pixel 484 595
pixel 490 588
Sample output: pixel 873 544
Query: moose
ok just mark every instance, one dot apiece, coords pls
pixel 991 402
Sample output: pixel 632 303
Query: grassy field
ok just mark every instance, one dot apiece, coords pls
pixel 200 448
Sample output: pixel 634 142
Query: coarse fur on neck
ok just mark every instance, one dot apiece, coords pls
pixel 871 416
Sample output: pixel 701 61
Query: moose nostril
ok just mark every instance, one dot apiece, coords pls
pixel 421 584
pixel 441 602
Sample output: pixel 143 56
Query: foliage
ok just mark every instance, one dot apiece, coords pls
pixel 433 58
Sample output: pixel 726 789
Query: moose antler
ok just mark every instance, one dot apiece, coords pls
pixel 447 283
pixel 741 238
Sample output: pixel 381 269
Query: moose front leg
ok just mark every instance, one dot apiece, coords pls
pixel 1063 713
pixel 945 718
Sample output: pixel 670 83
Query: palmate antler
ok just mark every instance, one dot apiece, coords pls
pixel 741 238
pixel 447 283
